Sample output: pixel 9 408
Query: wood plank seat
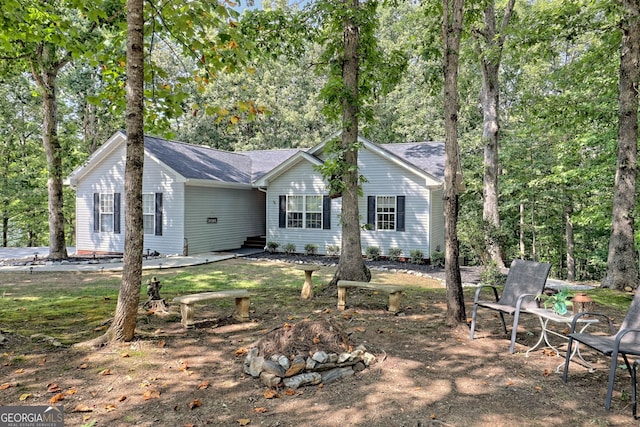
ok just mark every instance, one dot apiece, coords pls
pixel 187 304
pixel 394 291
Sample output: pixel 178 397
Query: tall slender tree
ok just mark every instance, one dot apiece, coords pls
pixel 491 38
pixel 621 261
pixel 451 34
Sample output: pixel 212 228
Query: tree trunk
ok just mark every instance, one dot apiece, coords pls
pixel 571 262
pixel 45 71
pixel 451 31
pixel 124 320
pixel 621 261
pixel 522 224
pixel 493 39
pixel 351 265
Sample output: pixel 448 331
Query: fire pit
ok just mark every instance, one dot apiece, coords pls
pixel 309 352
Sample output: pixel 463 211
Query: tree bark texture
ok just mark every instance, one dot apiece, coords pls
pixel 44 68
pixel 621 261
pixel 571 262
pixel 451 32
pixel 351 265
pixel 124 322
pixel 493 40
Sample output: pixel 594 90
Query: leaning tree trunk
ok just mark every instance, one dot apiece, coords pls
pixel 621 261
pixel 451 31
pixel 351 265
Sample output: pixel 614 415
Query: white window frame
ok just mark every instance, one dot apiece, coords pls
pixel 386 213
pixel 107 212
pixel 149 213
pixel 302 213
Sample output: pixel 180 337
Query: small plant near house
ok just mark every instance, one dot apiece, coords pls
pixel 332 250
pixel 272 247
pixel 491 275
pixel 416 256
pixel 372 253
pixel 394 254
pixel 437 258
pixel 289 248
pixel 310 249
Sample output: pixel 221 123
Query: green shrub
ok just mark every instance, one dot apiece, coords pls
pixel 394 254
pixel 416 256
pixel 372 253
pixel 332 250
pixel 437 258
pixel 272 247
pixel 310 249
pixel 289 248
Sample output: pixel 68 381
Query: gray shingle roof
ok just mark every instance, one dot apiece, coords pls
pixel 427 156
pixel 200 162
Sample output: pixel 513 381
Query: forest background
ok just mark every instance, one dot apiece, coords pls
pixel 558 128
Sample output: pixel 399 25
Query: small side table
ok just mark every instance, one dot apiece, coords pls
pixel 307 287
pixel 547 315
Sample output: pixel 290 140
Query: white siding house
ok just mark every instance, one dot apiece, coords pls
pixel 197 199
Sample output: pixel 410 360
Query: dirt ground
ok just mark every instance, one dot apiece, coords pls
pixel 426 374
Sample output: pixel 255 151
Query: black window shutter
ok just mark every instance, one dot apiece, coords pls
pixel 371 211
pixel 326 213
pixel 282 214
pixel 400 213
pixel 116 213
pixel 158 214
pixel 96 212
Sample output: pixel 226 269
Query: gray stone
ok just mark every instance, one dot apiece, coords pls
pixel 320 356
pixel 273 368
pixel 336 374
pixel 308 378
pixel 269 379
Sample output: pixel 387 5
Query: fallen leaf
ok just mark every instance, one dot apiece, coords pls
pixel 53 388
pixel 81 407
pixel 105 372
pixel 124 355
pixel 19 371
pixel 316 340
pixel 538 388
pixel 83 366
pixel 151 394
pixel 433 416
pixel 5 386
pixel 86 418
pixel 289 392
pixel 241 352
pixel 110 407
pixel 71 391
pixel 25 396
pixel 203 385
pixel 57 398
pixel 260 410
pixel 270 394
pixel 122 398
pixel 195 403
pixel 244 421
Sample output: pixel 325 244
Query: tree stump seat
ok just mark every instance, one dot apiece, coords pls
pixel 187 304
pixel 394 291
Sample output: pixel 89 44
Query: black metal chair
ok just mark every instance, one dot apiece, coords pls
pixel 624 343
pixel 525 280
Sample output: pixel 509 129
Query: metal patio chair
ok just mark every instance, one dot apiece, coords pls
pixel 624 343
pixel 526 280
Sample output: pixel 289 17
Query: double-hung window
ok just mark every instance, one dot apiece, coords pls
pixel 385 213
pixel 149 213
pixel 106 212
pixel 305 211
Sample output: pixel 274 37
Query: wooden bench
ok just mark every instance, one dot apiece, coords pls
pixel 394 291
pixel 187 301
